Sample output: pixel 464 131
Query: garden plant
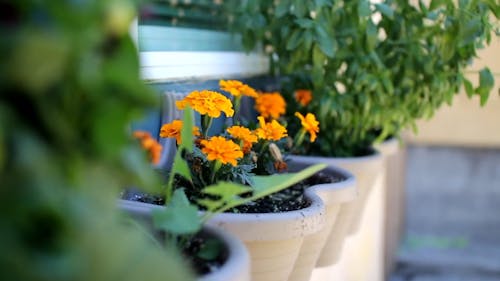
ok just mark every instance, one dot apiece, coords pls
pixel 69 89
pixel 373 68
pixel 227 172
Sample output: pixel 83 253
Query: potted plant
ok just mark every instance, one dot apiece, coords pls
pixel 328 242
pixel 258 230
pixel 373 68
pixel 70 87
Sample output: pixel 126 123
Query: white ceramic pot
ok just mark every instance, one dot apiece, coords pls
pixel 274 240
pixel 334 195
pixel 286 246
pixel 367 170
pixel 395 160
pixel 237 265
pixel 362 254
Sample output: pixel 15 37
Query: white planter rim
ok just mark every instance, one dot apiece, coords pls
pixel 373 156
pixel 237 263
pixel 264 226
pixel 275 226
pixel 337 192
pixel 388 147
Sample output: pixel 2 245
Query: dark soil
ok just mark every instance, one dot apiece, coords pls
pixel 289 199
pixel 139 196
pixel 205 254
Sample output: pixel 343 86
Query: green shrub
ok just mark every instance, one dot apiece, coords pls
pixel 70 86
pixel 370 77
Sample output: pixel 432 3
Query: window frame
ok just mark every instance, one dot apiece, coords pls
pixel 162 66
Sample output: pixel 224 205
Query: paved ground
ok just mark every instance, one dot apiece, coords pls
pixel 453 216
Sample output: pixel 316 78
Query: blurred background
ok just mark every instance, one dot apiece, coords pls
pixel 452 227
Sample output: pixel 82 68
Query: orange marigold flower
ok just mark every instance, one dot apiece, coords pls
pixel 221 149
pixel 247 147
pixel 309 124
pixel 244 134
pixel 270 105
pixel 173 130
pixel 270 131
pixel 141 135
pixel 303 97
pixel 237 88
pixel 207 102
pixel 150 145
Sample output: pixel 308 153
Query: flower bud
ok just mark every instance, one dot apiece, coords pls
pixel 275 152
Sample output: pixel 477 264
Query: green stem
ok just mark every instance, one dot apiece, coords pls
pixel 170 185
pixel 207 124
pixel 264 146
pixel 237 102
pixel 299 138
pixel 216 166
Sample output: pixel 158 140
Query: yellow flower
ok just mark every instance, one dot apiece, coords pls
pixel 270 105
pixel 173 130
pixel 303 97
pixel 237 88
pixel 244 134
pixel 309 124
pixel 207 102
pixel 270 131
pixel 150 145
pixel 221 149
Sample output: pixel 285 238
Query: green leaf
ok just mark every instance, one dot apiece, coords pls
pixel 294 40
pixel 471 31
pixel 226 190
pixel 422 6
pixel 210 249
pixel 187 130
pixel 371 35
pixel 321 3
pixel 325 42
pixel 305 23
pixel 299 8
pixel 319 57
pixel 436 3
pixel 266 185
pixel 469 89
pixel 494 8
pixel 179 217
pixel 282 8
pixel 433 15
pixel 363 8
pixel 210 204
pixel 486 82
pixel 180 167
pixel 222 194
pixel 385 9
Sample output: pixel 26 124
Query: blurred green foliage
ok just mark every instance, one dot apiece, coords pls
pixel 375 68
pixel 69 83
